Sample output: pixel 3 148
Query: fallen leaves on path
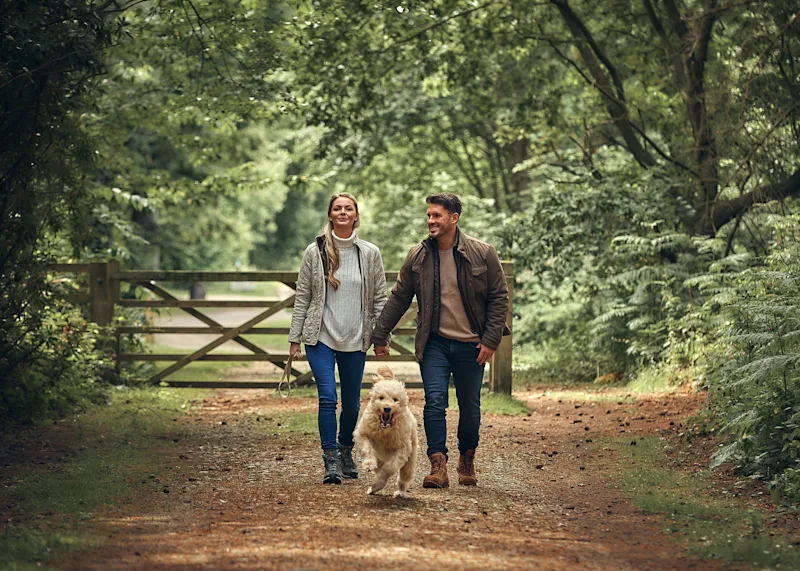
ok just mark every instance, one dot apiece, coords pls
pixel 241 493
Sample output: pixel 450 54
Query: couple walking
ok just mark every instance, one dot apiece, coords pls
pixel 341 308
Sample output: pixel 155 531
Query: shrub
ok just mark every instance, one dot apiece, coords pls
pixel 754 373
pixel 53 369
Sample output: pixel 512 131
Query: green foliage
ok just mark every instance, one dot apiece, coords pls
pixel 50 64
pixel 58 366
pixel 191 176
pixel 754 373
pixel 588 294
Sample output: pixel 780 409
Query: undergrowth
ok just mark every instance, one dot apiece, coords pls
pixel 710 525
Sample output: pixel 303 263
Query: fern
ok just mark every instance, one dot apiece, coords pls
pixel 728 452
pixel 755 374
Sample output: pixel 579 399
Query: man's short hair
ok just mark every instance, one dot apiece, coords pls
pixel 449 201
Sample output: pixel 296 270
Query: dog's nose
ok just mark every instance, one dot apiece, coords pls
pixel 387 409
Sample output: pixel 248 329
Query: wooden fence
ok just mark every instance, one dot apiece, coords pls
pixel 105 278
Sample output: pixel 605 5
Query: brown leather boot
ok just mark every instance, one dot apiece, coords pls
pixel 438 476
pixel 466 469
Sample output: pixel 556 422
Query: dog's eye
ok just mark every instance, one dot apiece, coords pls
pixel 395 400
pixel 380 398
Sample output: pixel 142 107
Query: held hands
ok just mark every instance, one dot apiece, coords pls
pixel 485 354
pixel 294 350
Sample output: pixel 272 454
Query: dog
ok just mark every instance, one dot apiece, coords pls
pixel 386 434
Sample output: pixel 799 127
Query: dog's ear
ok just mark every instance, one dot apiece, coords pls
pixel 386 372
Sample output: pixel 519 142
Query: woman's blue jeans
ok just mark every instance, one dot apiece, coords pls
pixel 323 360
pixel 443 357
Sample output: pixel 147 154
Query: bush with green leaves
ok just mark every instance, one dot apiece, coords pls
pixel 755 367
pixel 55 369
pixel 600 274
pixel 51 63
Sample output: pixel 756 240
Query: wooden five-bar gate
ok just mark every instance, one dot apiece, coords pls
pixel 105 279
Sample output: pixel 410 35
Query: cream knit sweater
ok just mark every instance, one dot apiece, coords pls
pixel 342 324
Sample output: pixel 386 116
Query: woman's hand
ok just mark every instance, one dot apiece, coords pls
pixel 294 350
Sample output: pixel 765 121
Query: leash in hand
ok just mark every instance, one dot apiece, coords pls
pixel 286 378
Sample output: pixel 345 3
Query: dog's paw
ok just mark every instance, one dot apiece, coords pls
pixel 370 491
pixel 400 494
pixel 370 464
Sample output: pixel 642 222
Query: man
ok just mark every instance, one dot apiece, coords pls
pixel 463 299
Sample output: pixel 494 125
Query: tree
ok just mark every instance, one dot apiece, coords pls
pixel 183 116
pixel 670 84
pixel 51 59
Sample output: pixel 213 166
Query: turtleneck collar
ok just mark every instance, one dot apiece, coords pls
pixel 344 242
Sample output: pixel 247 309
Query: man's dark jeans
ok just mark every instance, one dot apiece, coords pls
pixel 441 358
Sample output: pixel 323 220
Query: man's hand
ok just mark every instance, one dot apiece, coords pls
pixel 485 354
pixel 294 350
pixel 381 350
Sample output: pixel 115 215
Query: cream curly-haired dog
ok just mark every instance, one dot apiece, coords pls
pixel 386 434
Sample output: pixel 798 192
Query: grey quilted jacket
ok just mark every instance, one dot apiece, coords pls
pixel 310 297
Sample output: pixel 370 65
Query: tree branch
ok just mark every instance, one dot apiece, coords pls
pixel 673 54
pixel 615 105
pixel 726 211
pixel 430 27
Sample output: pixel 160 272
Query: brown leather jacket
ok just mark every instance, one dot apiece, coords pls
pixel 481 281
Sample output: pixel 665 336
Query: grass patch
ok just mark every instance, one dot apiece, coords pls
pixel 712 526
pixel 254 289
pixel 557 362
pixel 302 422
pixel 21 548
pixel 591 394
pixel 289 422
pixel 655 379
pixel 493 403
pixel 119 444
pixel 196 371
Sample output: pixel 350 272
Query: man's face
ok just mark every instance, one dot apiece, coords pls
pixel 440 221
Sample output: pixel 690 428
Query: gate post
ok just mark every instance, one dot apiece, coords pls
pixel 501 370
pixel 103 291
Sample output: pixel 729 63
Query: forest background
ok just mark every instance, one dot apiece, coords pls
pixel 637 160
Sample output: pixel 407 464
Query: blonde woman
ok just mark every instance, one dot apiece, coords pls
pixel 341 290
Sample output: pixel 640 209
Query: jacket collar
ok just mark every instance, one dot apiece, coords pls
pixel 460 243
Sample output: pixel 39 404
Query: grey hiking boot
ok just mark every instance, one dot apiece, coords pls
pixel 333 466
pixel 349 468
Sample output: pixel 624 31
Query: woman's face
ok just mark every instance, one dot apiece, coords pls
pixel 344 215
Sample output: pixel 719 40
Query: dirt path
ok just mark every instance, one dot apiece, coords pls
pixel 241 497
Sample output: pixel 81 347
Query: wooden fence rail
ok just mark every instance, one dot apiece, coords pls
pixel 105 279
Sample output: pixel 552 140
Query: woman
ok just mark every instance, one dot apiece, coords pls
pixel 341 290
